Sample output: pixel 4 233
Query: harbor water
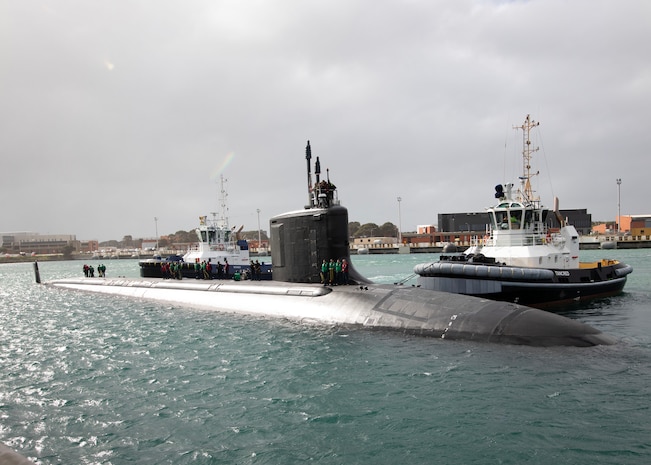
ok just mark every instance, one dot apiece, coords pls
pixel 88 379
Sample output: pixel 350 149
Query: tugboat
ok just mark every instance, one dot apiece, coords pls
pixel 520 258
pixel 217 245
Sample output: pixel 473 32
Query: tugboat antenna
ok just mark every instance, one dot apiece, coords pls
pixel 526 191
pixel 224 206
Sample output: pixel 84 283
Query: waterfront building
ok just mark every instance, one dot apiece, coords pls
pixel 30 242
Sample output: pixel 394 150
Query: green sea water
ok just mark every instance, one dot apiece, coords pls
pixel 109 380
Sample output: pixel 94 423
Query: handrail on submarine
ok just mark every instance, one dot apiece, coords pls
pixel 404 280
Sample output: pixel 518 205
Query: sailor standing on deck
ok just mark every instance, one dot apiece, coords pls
pixel 258 271
pixel 344 271
pixel 331 272
pixel 324 272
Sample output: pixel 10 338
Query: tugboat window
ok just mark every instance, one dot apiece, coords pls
pixel 503 220
pixel 493 221
pixel 516 219
pixel 528 218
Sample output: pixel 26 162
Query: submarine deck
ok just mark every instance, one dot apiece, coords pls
pixel 381 306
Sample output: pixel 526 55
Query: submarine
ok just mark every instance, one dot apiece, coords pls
pixel 300 240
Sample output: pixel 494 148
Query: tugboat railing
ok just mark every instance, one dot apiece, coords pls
pixel 504 239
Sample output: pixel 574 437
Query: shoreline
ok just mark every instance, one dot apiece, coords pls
pixel 621 245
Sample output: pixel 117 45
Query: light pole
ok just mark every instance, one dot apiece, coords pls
pixel 399 222
pixel 619 205
pixel 259 241
pixel 156 222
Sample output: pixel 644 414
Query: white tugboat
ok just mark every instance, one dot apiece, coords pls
pixel 219 245
pixel 520 259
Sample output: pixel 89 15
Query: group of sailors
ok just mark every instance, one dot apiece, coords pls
pixel 89 271
pixel 333 272
pixel 256 270
pixel 171 270
pixel 204 269
pixel 207 270
pixel 324 192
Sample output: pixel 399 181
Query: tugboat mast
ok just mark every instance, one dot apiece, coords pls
pixel 223 220
pixel 526 191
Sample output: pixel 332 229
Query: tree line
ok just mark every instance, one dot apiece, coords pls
pixel 355 230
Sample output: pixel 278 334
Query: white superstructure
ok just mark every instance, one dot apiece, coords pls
pixel 218 243
pixel 518 234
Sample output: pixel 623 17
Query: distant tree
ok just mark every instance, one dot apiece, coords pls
pixel 182 237
pixel 353 226
pixel 127 241
pixel 67 251
pixel 367 230
pixel 253 235
pixel 388 229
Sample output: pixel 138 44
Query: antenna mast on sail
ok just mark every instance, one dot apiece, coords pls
pixel 317 185
pixel 308 157
pixel 526 191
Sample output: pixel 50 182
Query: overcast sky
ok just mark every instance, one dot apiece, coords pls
pixel 113 113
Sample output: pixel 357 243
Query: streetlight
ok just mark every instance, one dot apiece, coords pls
pixel 259 241
pixel 619 211
pixel 156 222
pixel 399 222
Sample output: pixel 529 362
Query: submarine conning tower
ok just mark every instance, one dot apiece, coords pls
pixel 302 239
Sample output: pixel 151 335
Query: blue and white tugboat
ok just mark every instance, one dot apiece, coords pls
pixel 520 259
pixel 218 245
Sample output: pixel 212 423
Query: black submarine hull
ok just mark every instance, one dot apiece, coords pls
pixel 409 310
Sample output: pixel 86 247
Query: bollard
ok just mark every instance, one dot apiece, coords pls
pixel 36 273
